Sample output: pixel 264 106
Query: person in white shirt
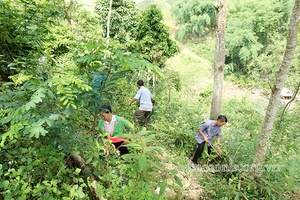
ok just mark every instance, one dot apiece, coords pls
pixel 145 98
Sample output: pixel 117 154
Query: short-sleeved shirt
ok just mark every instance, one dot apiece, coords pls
pixel 145 97
pixel 210 130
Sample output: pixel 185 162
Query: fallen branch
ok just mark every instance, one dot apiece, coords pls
pixel 76 161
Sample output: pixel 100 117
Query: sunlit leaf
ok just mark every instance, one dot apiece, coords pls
pixel 163 188
pixel 142 162
pixel 178 181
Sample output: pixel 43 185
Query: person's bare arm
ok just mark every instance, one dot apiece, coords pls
pixel 132 100
pixel 218 146
pixel 204 137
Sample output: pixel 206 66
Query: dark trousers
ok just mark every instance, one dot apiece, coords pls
pixel 199 152
pixel 139 114
pixel 123 150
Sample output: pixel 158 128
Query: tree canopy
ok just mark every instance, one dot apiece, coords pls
pixel 153 37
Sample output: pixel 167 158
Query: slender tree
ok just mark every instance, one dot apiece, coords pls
pixel 267 126
pixel 221 8
pixel 108 19
pixel 68 10
pixel 118 18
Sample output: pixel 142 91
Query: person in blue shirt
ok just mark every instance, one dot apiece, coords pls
pixel 145 98
pixel 99 80
pixel 206 131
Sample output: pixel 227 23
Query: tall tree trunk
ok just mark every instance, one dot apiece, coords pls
pixel 267 127
pixel 108 19
pixel 221 8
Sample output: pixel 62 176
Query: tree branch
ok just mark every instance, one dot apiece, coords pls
pixel 288 104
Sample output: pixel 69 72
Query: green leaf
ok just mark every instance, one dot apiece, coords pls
pixel 150 149
pixel 78 170
pixel 29 105
pixel 291 183
pixel 41 122
pixel 255 142
pixel 49 122
pixel 268 191
pixel 4 184
pixel 129 124
pixel 54 117
pixel 150 138
pixel 129 156
pixel 80 193
pixel 142 162
pixel 66 102
pixel 163 187
pixel 154 164
pixel 24 150
pixel 36 99
pixel 173 171
pixel 178 181
pixel 13 132
pixel 54 182
pixel 74 106
pixel 35 130
pixel 50 94
pixel 135 146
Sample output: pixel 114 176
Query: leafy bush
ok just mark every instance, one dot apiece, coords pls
pixel 252 28
pixel 196 18
pixel 152 37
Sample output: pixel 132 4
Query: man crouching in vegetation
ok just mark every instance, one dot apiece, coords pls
pixel 206 131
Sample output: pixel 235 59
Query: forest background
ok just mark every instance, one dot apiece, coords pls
pixel 50 52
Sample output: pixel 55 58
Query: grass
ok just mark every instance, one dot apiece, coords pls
pixel 195 72
pixel 203 47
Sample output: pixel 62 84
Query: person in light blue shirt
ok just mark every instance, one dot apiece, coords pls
pixel 206 131
pixel 145 98
pixel 97 82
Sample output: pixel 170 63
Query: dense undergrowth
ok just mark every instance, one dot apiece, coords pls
pixel 230 177
pixel 49 116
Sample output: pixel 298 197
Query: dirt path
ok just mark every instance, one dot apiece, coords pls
pixel 205 67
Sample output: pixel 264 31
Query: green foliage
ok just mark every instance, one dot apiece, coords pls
pixel 152 37
pixel 241 138
pixel 123 18
pixel 243 46
pixel 204 47
pixel 23 29
pixel 253 29
pixel 118 68
pixel 49 110
pixel 50 116
pixel 176 121
pixel 195 18
pixel 36 172
pixel 255 35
